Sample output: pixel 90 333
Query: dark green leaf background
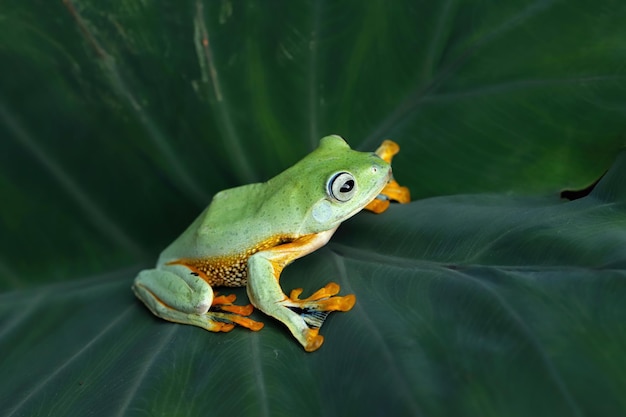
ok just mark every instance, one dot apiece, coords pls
pixel 487 296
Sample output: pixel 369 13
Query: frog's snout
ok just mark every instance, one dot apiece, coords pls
pixel 380 170
pixel 389 173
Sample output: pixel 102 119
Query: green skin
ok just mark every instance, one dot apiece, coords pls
pixel 303 205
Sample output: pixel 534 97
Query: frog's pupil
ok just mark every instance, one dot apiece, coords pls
pixel 347 186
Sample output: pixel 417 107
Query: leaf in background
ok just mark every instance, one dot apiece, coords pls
pixel 124 118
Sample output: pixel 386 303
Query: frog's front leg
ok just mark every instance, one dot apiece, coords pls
pixel 303 317
pixel 174 293
pixel 392 191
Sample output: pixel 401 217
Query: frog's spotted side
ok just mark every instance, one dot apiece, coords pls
pixel 248 235
pixel 228 271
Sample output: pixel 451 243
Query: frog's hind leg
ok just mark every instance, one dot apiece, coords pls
pixel 182 297
pixel 303 317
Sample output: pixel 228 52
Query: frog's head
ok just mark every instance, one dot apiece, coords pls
pixel 332 184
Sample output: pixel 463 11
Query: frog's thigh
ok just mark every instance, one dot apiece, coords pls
pixel 167 292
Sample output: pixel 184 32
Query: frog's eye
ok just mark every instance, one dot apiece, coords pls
pixel 342 186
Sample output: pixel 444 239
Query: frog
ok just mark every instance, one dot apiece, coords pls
pixel 247 235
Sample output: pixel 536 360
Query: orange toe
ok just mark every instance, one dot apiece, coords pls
pixel 224 299
pixel 314 341
pixel 387 150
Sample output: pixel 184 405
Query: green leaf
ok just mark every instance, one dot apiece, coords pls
pixel 487 296
pixel 485 302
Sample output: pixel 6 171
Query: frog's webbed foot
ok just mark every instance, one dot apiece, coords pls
pixel 392 191
pixel 315 309
pixel 226 313
pixel 312 311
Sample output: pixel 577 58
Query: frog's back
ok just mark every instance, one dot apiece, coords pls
pixel 235 220
pixel 217 245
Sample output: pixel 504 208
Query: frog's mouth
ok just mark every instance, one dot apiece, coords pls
pixel 383 183
pixel 389 177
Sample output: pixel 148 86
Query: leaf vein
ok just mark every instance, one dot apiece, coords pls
pixel 232 140
pixel 120 87
pixel 37 388
pixel 93 213
pixel 147 364
pixel 387 354
pixel 550 368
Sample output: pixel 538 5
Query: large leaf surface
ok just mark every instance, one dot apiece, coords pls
pixel 490 306
pixel 119 120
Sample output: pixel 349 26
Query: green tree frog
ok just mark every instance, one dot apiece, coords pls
pixel 248 234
